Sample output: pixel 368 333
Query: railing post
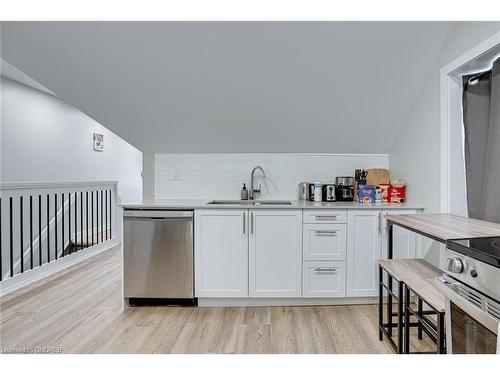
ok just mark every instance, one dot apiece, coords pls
pixel 55 226
pixel 39 229
pixel 21 233
pixel 1 263
pixel 47 228
pixel 63 211
pixel 11 239
pixel 117 216
pixel 31 231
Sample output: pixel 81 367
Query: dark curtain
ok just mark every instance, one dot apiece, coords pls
pixel 481 110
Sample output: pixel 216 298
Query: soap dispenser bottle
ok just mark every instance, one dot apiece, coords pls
pixel 244 193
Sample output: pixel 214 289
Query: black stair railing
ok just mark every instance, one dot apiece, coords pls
pixel 68 222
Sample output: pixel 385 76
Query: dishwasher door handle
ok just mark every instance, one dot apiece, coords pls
pixel 152 214
pixel 159 218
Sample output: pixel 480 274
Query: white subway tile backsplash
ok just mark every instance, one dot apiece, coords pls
pixel 221 176
pixel 235 158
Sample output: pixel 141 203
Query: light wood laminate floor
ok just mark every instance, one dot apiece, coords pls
pixel 79 311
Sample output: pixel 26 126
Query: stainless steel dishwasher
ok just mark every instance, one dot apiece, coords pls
pixel 158 256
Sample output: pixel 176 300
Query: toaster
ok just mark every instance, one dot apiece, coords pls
pixel 329 193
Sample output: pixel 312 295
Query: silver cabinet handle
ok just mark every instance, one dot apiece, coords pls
pixel 325 231
pixel 325 269
pixel 380 223
pixel 326 217
pixel 244 222
pixel 251 222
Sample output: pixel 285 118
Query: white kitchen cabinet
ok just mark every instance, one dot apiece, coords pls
pixel 324 241
pixel 404 242
pixel 270 253
pixel 221 253
pixel 364 241
pixel 323 279
pixel 275 253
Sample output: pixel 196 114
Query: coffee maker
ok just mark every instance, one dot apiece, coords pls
pixel 344 190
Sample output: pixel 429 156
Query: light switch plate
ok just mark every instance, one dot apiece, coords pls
pixel 176 175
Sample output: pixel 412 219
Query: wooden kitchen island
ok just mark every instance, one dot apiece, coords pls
pixel 441 227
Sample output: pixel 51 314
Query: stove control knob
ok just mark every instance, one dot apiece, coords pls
pixel 454 265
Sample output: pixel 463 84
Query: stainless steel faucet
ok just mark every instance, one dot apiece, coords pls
pixel 252 190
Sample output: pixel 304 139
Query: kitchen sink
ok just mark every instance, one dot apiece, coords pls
pixel 251 203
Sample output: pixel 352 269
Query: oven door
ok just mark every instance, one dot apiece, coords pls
pixel 472 319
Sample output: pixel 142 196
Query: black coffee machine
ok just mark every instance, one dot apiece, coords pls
pixel 344 189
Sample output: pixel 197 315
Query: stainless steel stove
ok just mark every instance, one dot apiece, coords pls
pixel 471 286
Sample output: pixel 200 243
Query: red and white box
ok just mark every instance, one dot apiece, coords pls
pixel 397 194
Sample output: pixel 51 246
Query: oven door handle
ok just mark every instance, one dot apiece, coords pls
pixel 449 289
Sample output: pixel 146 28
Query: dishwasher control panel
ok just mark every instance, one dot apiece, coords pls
pixel 157 213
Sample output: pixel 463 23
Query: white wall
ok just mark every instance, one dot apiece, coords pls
pixel 220 176
pixel 148 174
pixel 45 139
pixel 415 153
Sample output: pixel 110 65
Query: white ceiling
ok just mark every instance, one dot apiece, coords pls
pixel 341 87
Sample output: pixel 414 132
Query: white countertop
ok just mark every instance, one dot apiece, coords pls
pixel 190 204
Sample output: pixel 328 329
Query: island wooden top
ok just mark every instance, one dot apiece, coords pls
pixel 442 227
pixel 419 276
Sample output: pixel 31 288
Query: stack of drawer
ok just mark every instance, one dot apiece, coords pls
pixel 324 253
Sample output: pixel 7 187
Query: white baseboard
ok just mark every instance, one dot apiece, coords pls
pixel 240 302
pixel 12 284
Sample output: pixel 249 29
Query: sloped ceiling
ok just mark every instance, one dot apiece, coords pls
pixel 341 87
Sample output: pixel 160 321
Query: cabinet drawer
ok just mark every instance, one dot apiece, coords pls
pixel 325 216
pixel 323 279
pixel 324 241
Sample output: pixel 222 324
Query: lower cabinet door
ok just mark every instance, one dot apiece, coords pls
pixel 364 241
pixel 221 253
pixel 323 279
pixel 275 253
